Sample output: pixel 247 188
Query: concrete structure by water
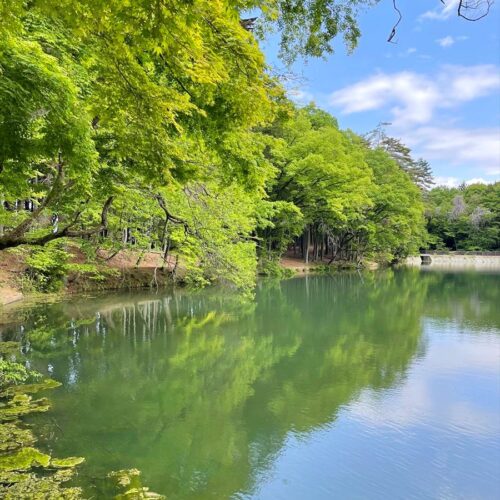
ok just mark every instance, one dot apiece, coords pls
pixel 456 260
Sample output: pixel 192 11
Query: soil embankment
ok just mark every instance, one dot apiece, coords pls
pixel 125 270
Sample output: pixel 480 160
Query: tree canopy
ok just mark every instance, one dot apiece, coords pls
pixel 157 126
pixel 464 218
pixel 356 202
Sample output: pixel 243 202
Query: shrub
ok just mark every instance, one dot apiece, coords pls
pixel 46 268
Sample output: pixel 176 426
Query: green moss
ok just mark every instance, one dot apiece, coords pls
pixel 18 456
pixel 23 459
pixel 21 404
pixel 22 486
pixel 64 463
pixel 20 462
pixel 128 481
pixel 13 437
pixel 30 388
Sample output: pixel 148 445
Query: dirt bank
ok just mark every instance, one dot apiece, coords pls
pixel 127 269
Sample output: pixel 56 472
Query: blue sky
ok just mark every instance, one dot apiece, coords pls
pixel 438 85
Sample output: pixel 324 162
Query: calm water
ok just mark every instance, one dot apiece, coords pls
pixel 346 387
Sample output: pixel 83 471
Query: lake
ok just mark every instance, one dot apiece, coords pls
pixel 350 386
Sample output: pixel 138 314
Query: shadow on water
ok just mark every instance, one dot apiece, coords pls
pixel 201 390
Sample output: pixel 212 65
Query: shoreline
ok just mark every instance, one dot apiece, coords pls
pixel 124 274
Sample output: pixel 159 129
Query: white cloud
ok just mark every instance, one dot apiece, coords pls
pixel 477 180
pixel 444 11
pixel 451 182
pixel 411 101
pixel 411 50
pixel 421 400
pixel 475 148
pixel 448 41
pixel 448 8
pixel 415 96
pixel 454 182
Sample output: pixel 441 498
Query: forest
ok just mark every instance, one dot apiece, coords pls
pixel 464 218
pixel 160 127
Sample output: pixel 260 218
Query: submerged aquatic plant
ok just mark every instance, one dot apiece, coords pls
pixel 25 471
pixel 129 484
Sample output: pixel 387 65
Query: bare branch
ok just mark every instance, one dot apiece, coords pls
pixel 466 6
pixel 470 10
pixel 168 215
pixel 394 28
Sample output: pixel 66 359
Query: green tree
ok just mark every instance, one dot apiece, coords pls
pixel 356 203
pixel 466 218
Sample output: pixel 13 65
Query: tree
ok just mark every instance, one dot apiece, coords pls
pixel 95 110
pixel 466 218
pixel 396 224
pixel 356 203
pixel 419 170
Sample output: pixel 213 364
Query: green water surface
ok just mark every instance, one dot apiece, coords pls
pixel 376 386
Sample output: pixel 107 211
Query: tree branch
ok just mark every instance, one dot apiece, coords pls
pixel 394 28
pixel 467 6
pixel 66 232
pixel 168 215
pixel 21 229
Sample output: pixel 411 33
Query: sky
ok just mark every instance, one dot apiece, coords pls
pixel 438 85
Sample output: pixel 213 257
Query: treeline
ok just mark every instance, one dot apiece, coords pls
pixel 464 218
pixel 157 126
pixel 338 196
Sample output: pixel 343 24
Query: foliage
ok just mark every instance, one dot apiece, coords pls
pixel 157 126
pixel 12 372
pixel 47 267
pixel 271 268
pixel 395 226
pixel 418 170
pixel 308 28
pixel 464 218
pixel 122 107
pixel 353 202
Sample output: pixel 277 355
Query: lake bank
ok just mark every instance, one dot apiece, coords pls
pixel 129 270
pixel 123 271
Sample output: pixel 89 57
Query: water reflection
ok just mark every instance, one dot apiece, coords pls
pixel 210 396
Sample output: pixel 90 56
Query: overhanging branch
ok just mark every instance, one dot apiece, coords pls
pixel 9 241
